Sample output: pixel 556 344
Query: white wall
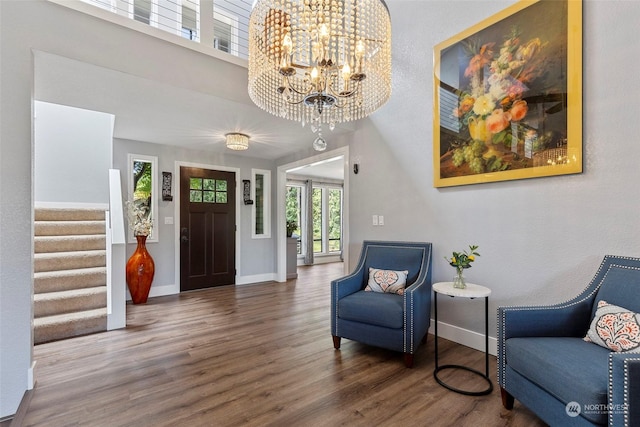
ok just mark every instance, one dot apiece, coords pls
pixel 257 256
pixel 72 154
pixel 541 240
pixel 38 25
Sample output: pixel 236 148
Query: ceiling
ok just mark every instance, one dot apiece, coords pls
pixel 155 112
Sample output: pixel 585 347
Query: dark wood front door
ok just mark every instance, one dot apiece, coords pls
pixel 207 228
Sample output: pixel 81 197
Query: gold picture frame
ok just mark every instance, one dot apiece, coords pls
pixel 508 96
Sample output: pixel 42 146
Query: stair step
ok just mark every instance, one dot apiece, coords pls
pixel 69 214
pixel 68 228
pixel 61 302
pixel 44 244
pixel 52 328
pixel 55 261
pixel 64 280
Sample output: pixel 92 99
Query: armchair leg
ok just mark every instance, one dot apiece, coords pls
pixel 336 342
pixel 507 399
pixel 424 338
pixel 408 360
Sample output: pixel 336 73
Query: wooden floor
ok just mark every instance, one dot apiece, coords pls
pixel 252 355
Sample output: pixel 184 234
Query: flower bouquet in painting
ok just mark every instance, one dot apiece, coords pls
pixel 493 107
pixel 502 95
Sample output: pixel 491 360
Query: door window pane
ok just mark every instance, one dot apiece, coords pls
pixel 207 190
pixel 195 196
pixel 195 183
pixel 221 197
pixel 209 196
pixel 209 184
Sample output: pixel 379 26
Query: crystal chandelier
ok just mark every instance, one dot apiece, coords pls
pixel 320 62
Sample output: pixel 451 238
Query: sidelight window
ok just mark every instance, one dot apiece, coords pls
pixel 261 211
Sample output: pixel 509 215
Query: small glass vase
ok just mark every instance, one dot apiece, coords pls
pixel 458 279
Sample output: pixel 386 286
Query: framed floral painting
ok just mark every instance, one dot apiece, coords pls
pixel 508 96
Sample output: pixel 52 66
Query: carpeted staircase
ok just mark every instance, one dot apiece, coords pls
pixel 70 274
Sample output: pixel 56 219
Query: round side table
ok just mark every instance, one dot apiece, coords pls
pixel 471 291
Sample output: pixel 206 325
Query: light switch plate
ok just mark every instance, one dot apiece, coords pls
pixel 375 220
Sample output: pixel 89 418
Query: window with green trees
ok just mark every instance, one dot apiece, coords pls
pixel 326 216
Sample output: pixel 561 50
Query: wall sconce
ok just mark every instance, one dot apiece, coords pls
pixel 356 165
pixel 246 192
pixel 166 187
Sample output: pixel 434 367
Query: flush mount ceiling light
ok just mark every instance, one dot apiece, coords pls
pixel 237 141
pixel 320 61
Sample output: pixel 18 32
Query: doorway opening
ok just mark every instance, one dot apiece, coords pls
pixel 314 193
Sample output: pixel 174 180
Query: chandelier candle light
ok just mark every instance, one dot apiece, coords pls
pixel 320 61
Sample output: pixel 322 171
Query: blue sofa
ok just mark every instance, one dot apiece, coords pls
pixel 391 321
pixel 545 364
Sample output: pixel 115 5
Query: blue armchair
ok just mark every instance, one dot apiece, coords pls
pixel 391 321
pixel 544 363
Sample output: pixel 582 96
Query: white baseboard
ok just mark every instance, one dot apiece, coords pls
pixel 31 376
pixel 466 337
pixel 256 278
pixel 160 291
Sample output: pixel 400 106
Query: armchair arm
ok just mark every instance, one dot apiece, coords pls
pixel 342 287
pixel 570 319
pixel 624 389
pixel 347 285
pixel 417 307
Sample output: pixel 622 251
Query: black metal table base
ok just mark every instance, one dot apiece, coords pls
pixel 484 392
pixel 439 368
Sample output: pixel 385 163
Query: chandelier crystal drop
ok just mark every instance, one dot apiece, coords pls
pixel 321 62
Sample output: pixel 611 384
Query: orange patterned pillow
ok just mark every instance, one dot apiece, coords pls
pixel 615 328
pixel 388 281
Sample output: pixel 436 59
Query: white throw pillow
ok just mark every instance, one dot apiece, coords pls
pixel 387 281
pixel 615 328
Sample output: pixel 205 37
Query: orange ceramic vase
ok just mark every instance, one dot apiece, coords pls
pixel 140 270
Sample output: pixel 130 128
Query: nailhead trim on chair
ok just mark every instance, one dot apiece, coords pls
pixel 626 389
pixel 360 266
pixel 501 372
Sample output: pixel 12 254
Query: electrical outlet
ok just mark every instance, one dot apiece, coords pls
pixel 375 220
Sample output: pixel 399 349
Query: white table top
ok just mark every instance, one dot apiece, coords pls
pixel 471 291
